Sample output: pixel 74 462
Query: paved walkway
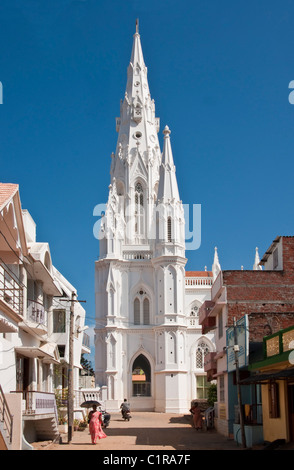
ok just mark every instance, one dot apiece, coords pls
pixel 148 432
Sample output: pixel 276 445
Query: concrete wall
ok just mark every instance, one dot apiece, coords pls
pixel 14 401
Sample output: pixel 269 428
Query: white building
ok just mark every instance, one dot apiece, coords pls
pixel 30 289
pixel 148 345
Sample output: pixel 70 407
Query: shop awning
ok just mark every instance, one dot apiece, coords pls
pixel 283 374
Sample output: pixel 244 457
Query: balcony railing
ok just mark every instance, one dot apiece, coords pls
pixel 198 281
pixel 137 255
pixel 39 403
pixel 36 312
pixel 11 291
pixel 5 415
pixel 279 343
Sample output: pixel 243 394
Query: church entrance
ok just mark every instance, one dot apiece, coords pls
pixel 141 377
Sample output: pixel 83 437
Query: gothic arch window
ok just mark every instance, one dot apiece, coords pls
pixel 146 312
pixel 111 302
pixel 112 352
pixel 139 209
pixel 141 308
pixel 169 229
pixel 137 311
pixel 193 314
pixel 201 351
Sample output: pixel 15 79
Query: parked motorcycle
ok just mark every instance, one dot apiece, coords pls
pixel 105 418
pixel 126 414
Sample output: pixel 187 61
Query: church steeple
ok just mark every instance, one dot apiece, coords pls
pixel 256 266
pixel 135 163
pixel 216 267
pixel 170 212
pixel 168 186
pixel 137 125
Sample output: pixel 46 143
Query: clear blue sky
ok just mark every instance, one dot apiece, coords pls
pixel 219 72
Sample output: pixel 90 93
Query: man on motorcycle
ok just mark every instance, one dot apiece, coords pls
pixel 125 407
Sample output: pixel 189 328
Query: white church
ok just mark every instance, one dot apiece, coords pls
pixel 149 347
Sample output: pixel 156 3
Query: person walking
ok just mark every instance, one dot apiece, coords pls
pixel 95 425
pixel 197 418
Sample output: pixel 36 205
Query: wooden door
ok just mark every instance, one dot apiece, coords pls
pixel 291 410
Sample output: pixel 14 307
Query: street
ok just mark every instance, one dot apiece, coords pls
pixel 146 431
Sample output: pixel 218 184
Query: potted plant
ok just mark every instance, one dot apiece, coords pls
pixel 76 424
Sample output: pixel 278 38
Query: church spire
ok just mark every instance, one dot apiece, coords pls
pixel 137 125
pixel 216 267
pixel 256 266
pixel 137 53
pixel 168 186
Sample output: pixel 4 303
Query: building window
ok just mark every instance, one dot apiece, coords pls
pixel 146 319
pixel 220 324
pixel 221 387
pixel 141 309
pixel 61 350
pixel 59 318
pixel 139 209
pixel 169 229
pixel 202 387
pixel 194 315
pixel 137 312
pixel 202 350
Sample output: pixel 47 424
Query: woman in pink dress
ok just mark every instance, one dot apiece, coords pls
pixel 197 418
pixel 95 423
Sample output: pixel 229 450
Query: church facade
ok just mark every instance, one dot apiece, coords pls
pixel 149 346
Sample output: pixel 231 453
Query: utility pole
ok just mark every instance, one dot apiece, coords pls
pixel 70 397
pixel 236 351
pixel 70 378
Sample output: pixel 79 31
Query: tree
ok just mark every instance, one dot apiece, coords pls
pixel 212 394
pixel 87 365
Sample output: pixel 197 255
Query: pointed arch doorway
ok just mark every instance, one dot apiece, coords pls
pixel 141 377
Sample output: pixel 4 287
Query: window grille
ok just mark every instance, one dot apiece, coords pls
pixel 201 352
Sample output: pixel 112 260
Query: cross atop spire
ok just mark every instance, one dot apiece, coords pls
pixel 137 26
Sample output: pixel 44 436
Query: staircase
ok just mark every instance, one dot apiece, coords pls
pixel 4 438
pixel 6 422
pixel 46 429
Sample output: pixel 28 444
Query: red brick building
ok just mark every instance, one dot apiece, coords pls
pixel 266 297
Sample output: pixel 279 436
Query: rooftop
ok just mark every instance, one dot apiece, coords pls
pixel 7 191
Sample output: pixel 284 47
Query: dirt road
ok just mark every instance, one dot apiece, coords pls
pixel 147 431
